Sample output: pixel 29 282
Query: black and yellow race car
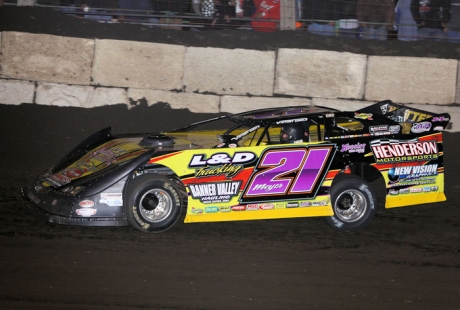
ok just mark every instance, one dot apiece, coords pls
pixel 285 162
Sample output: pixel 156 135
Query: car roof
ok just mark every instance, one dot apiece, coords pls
pixel 281 113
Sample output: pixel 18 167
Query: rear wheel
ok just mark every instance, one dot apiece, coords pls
pixel 153 203
pixel 354 204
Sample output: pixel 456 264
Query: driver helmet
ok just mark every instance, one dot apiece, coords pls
pixel 292 133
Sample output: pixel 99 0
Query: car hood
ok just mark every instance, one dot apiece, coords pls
pixel 116 152
pixel 101 158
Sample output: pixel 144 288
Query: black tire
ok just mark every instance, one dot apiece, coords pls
pixel 153 203
pixel 354 203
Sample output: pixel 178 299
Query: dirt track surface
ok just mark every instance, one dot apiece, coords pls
pixel 407 258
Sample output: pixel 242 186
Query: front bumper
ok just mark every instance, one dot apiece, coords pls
pixel 55 208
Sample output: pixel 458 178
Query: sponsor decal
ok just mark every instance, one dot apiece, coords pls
pixel 280 205
pixel 58 180
pixel 297 120
pixel 411 116
pixel 393 192
pixel 384 108
pixel 212 209
pixel 440 119
pixel 196 210
pixel 241 135
pixel 86 203
pixel 394 151
pixel 305 204
pixel 238 208
pixel 319 203
pixel 72 173
pixel 394 129
pixel 415 190
pixel 228 170
pixel 112 199
pixel 434 188
pixel 420 127
pixel 267 206
pixel 232 145
pixel 292 205
pixel 215 192
pixel 427 189
pixel 225 209
pixel 104 155
pixel 367 116
pixel 373 129
pixel 412 182
pixel 33 198
pixel 396 118
pixel 387 108
pixel 252 207
pixel 200 160
pixel 438 128
pixel 220 164
pixel 86 212
pixel 412 172
pixel 404 191
pixel 353 148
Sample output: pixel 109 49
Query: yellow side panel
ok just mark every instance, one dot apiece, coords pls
pixel 259 215
pixel 408 200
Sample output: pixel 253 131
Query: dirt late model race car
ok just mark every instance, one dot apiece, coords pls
pixel 285 162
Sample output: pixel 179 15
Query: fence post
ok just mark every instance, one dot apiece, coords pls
pixel 287 18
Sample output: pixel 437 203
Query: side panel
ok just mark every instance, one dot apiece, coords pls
pixel 251 183
pixel 413 169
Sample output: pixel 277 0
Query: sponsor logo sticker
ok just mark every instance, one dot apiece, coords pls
pixel 86 203
pixel 212 209
pixel 219 192
pixel 421 127
pixel 86 212
pixel 393 151
pixel 112 199
pixel 238 208
pixel 252 207
pixel 196 210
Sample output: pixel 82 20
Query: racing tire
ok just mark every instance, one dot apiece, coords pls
pixel 354 204
pixel 153 203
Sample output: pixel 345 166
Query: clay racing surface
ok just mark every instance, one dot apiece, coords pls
pixel 408 258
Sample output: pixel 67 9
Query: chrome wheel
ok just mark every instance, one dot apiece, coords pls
pixel 155 205
pixel 350 206
pixel 353 204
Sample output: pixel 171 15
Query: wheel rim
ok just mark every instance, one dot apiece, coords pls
pixel 350 206
pixel 155 205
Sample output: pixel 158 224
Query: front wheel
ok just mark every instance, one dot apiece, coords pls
pixel 153 203
pixel 354 204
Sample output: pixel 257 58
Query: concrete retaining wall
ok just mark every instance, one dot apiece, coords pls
pixel 63 71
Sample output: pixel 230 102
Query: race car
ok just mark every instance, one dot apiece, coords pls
pixel 285 162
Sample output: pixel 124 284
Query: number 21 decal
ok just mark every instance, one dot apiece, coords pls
pixel 289 173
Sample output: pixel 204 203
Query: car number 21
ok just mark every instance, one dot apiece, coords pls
pixel 289 172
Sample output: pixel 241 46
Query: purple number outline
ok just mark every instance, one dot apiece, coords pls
pixel 319 155
pixel 270 163
pixel 312 168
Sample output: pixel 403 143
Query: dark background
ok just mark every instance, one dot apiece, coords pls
pixel 408 258
pixel 44 20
